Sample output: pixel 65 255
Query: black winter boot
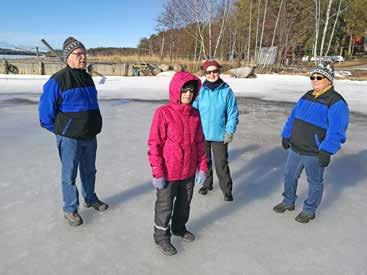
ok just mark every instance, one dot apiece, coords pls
pixel 228 197
pixel 187 236
pixel 282 207
pixel 98 205
pixel 166 247
pixel 203 190
pixel 304 217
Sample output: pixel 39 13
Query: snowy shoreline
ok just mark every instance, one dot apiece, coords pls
pixel 270 87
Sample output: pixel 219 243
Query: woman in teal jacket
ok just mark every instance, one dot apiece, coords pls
pixel 219 117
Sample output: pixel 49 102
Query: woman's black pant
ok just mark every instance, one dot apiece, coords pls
pixel 220 155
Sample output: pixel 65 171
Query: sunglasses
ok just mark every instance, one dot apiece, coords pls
pixel 79 54
pixel 214 72
pixel 317 77
pixel 188 89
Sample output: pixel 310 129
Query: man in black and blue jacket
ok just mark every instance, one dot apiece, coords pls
pixel 314 131
pixel 69 109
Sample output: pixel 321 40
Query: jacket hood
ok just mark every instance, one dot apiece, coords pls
pixel 176 84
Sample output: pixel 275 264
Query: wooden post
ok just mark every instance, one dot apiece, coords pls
pixel 130 70
pixel 6 67
pixel 41 68
pixel 38 55
pixel 125 69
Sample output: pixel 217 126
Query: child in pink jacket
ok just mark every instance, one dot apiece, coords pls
pixel 176 155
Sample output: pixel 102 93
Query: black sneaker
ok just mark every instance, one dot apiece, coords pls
pixel 166 248
pixel 304 217
pixel 210 188
pixel 73 219
pixel 228 197
pixel 187 236
pixel 98 205
pixel 203 190
pixel 282 207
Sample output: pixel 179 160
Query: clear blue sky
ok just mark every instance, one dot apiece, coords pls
pixel 107 23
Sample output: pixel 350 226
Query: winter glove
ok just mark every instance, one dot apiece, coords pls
pixel 159 183
pixel 228 138
pixel 200 178
pixel 324 158
pixel 285 143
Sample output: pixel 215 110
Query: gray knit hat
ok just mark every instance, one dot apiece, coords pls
pixel 70 44
pixel 326 69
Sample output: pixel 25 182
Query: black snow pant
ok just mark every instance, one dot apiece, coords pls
pixel 174 200
pixel 220 155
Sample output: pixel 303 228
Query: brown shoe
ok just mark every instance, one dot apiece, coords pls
pixel 74 218
pixel 98 205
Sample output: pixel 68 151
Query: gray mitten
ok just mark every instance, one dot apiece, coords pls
pixel 159 183
pixel 228 138
pixel 200 178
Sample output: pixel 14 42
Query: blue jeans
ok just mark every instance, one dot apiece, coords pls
pixel 314 172
pixel 76 153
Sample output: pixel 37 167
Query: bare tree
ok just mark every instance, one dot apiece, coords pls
pixel 262 30
pixel 249 33
pixel 162 47
pixel 317 27
pixel 257 31
pixel 274 33
pixel 327 18
pixel 226 9
pixel 276 23
pixel 332 33
pixel 221 28
pixel 168 22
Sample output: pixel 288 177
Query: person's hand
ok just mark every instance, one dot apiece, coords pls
pixel 159 183
pixel 324 158
pixel 286 143
pixel 228 138
pixel 200 178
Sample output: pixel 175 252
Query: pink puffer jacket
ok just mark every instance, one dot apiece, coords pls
pixel 176 139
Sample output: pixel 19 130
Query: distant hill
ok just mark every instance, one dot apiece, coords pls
pixel 101 51
pixel 92 51
pixel 15 52
pixel 112 51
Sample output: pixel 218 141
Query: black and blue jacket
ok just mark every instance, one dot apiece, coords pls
pixel 317 124
pixel 69 105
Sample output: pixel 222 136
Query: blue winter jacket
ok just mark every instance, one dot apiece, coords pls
pixel 69 105
pixel 218 111
pixel 317 124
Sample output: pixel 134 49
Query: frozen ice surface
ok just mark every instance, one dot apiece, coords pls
pixel 243 237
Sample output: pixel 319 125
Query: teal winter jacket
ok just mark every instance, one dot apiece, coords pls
pixel 218 111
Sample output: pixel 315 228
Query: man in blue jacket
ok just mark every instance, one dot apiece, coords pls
pixel 69 109
pixel 219 117
pixel 314 131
